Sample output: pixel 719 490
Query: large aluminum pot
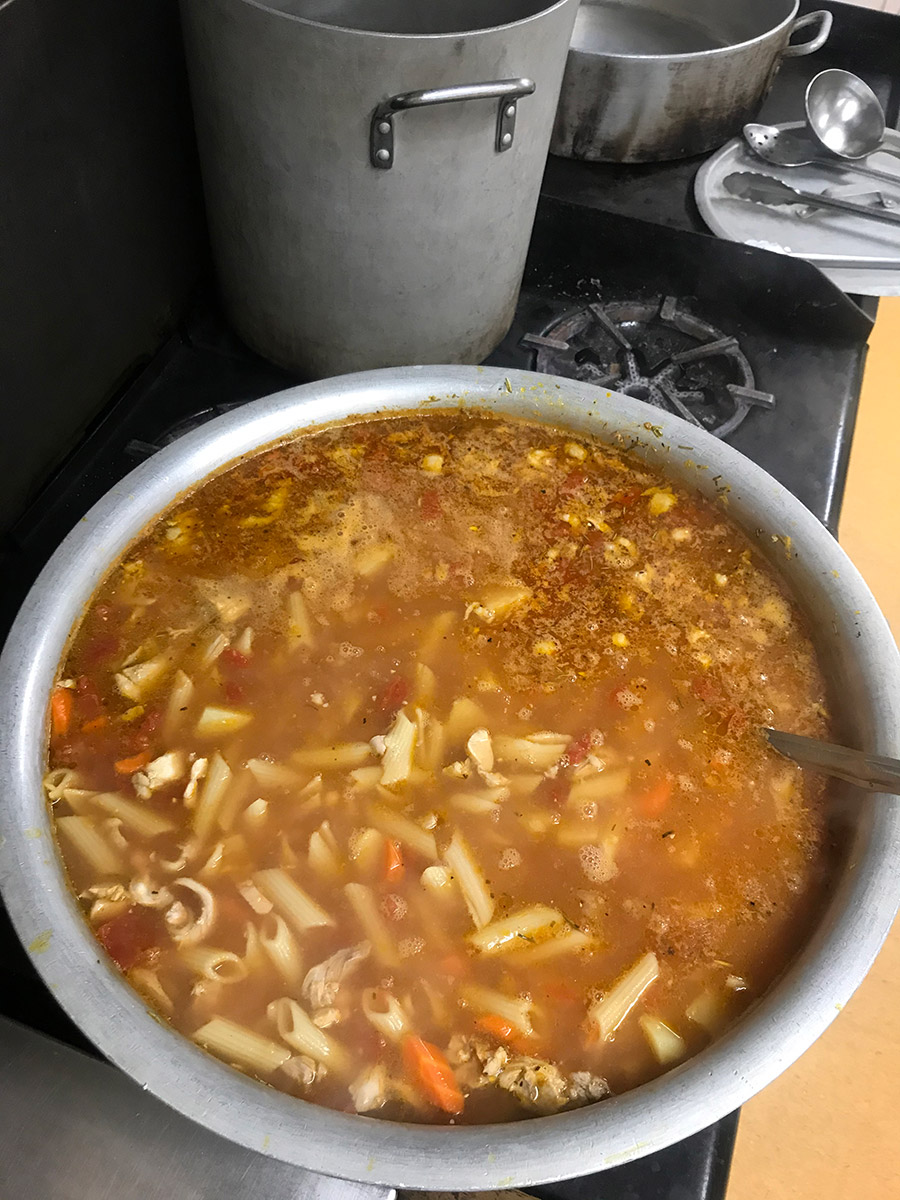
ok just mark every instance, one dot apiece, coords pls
pixel 372 169
pixel 662 79
pixel 864 670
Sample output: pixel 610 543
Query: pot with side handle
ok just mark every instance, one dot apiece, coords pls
pixel 666 79
pixel 855 647
pixel 372 169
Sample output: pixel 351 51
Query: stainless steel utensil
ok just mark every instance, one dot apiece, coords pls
pixel 792 148
pixel 663 79
pixel 765 189
pixel 861 661
pixel 872 771
pixel 845 115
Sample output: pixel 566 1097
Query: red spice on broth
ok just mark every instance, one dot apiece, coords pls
pixel 413 766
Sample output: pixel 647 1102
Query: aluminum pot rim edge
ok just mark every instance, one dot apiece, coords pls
pixel 679 1103
pixel 686 56
pixel 297 19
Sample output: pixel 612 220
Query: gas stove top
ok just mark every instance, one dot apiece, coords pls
pixel 760 350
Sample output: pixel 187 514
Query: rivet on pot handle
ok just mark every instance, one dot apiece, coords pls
pixel 507 91
pixel 821 18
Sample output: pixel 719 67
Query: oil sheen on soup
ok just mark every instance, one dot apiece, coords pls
pixel 414 767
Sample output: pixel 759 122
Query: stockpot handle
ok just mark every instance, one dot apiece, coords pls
pixel 507 91
pixel 821 18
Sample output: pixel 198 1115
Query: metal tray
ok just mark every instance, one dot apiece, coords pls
pixel 822 235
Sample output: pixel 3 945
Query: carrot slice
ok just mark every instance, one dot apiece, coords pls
pixel 128 766
pixel 432 1074
pixel 393 862
pixel 654 801
pixel 503 1031
pixel 96 723
pixel 61 703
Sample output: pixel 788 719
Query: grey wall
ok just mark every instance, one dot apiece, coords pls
pixel 100 239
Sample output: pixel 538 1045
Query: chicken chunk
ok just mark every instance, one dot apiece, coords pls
pixel 323 981
pixel 536 1083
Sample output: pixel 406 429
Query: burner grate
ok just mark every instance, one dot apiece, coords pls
pixel 656 351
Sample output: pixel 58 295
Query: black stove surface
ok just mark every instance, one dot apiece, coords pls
pixel 802 340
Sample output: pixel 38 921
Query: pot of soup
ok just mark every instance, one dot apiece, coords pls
pixel 383 784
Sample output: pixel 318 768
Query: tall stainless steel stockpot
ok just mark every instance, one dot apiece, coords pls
pixel 372 168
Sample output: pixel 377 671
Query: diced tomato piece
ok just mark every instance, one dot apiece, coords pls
pixel 234 658
pixel 655 799
pixel 627 498
pixel 706 689
pixel 573 482
pixel 394 695
pixel 234 693
pixel 129 936
pixel 577 751
pixel 100 648
pixel 430 505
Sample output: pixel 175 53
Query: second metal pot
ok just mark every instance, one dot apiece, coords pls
pixel 372 168
pixel 662 79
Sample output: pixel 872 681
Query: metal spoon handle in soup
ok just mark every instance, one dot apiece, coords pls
pixel 872 771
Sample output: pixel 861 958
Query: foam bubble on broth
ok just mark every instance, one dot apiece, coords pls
pixel 280 826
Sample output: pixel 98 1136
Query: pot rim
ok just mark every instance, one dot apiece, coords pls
pixel 705 1088
pixel 297 19
pixel 687 55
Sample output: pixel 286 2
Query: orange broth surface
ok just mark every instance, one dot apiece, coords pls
pixel 413 767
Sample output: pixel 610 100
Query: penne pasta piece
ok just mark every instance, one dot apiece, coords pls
pixel 468 874
pixel 324 855
pixel 465 717
pixel 386 1013
pixel 707 1010
pixel 297 908
pixel 334 758
pixel 281 947
pixel 399 747
pixel 295 1027
pixel 402 829
pixel 147 983
pixel 609 1013
pixel 215 721
pixel 362 901
pixel 600 785
pixel 529 925
pixel 365 779
pixel 236 1044
pixel 425 686
pixel 512 1008
pixel 210 962
pixel 539 752
pixel 210 796
pixel 437 879
pixel 144 821
pixel 300 628
pixel 86 840
pixel 435 637
pixel 570 941
pixel 367 850
pixel 272 774
pixel 234 800
pixel 213 649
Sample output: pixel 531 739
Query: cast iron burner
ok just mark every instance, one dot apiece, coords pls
pixel 658 352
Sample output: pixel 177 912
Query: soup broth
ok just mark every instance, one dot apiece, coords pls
pixel 414 767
